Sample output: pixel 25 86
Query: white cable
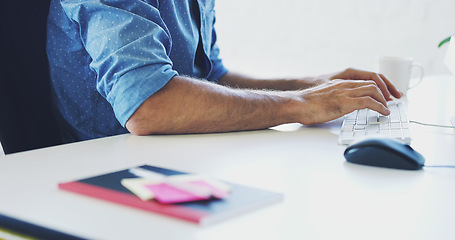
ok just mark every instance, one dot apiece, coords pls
pixel 432 125
pixel 441 166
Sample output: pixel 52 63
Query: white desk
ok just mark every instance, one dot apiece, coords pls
pixel 325 197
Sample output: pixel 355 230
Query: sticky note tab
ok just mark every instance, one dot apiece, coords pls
pixel 215 191
pixel 138 187
pixel 166 193
pixel 214 184
pixel 174 188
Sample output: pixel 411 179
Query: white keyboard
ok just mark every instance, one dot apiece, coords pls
pixel 365 122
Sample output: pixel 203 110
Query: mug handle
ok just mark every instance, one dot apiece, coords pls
pixel 417 65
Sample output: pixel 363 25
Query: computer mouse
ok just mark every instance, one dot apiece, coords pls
pixel 384 152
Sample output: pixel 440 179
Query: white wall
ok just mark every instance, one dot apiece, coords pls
pixel 306 37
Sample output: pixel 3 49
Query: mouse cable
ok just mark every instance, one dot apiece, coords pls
pixel 432 125
pixel 435 125
pixel 440 166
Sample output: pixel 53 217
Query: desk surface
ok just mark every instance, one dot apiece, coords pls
pixel 325 197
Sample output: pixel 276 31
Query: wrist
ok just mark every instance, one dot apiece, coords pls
pixel 290 107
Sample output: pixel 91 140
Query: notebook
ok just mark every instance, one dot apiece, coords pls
pixel 241 199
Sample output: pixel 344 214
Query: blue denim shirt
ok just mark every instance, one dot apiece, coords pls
pixel 107 57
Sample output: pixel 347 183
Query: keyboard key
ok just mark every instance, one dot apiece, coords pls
pixel 366 122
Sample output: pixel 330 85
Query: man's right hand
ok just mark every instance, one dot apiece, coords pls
pixel 336 98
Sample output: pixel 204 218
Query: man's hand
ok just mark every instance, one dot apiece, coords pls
pixel 333 99
pixel 384 84
pixel 241 81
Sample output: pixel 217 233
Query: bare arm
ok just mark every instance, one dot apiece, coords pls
pixel 241 81
pixel 188 105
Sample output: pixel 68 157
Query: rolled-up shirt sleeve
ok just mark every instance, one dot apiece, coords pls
pixel 129 46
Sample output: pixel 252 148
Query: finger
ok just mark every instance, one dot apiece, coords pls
pixel 369 90
pixel 370 103
pixel 360 88
pixel 382 85
pixel 392 89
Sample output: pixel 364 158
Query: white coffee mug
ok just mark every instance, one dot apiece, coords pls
pixel 398 71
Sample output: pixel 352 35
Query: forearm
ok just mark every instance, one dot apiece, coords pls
pixel 241 81
pixel 187 105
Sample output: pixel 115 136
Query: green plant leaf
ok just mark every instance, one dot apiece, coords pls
pixel 444 41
